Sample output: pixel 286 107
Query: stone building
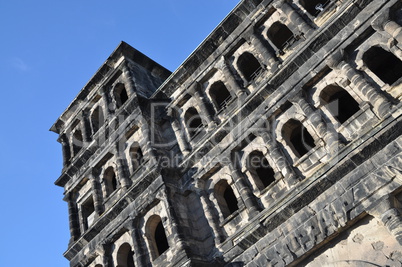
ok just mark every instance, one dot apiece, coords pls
pixel 277 142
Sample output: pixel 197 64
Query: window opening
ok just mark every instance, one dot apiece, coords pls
pixel 281 36
pixel 314 7
pixel 249 66
pixel 384 64
pixel 220 95
pixel 339 102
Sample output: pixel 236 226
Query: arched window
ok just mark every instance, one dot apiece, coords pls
pixel 110 181
pixel 249 66
pixel 226 198
pixel 297 137
pixel 136 156
pixel 125 256
pixel 384 64
pixel 258 166
pixel 156 233
pixel 220 95
pixel 88 212
pixel 314 7
pixel 97 119
pixel 193 122
pixel 280 35
pixel 339 102
pixel 120 95
pixel 77 142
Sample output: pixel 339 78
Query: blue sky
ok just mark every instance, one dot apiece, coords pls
pixel 48 51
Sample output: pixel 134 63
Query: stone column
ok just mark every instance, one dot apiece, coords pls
pixel 179 131
pixel 264 52
pixel 96 193
pixel 294 17
pixel 380 103
pixel 107 102
pixel 211 213
pixel 66 149
pixel 328 134
pixel 148 148
pixel 128 78
pixel 231 81
pixel 121 164
pixel 73 217
pixel 140 252
pixel 390 216
pixel 383 23
pixel 205 111
pixel 106 252
pixel 278 158
pixel 85 126
pixel 245 191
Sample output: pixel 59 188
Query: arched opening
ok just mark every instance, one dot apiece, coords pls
pixel 226 198
pixel 249 66
pixel 280 35
pixel 120 95
pixel 110 181
pixel 193 122
pixel 125 256
pixel 88 212
pixel 220 95
pixel 97 119
pixel 298 137
pixel 158 241
pixel 314 7
pixel 258 166
pixel 136 156
pixel 384 64
pixel 77 142
pixel 339 102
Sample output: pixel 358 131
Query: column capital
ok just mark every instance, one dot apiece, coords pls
pixel 335 59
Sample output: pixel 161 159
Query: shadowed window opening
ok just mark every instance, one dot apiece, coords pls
pixel 260 169
pixel 110 181
pixel 160 238
pixel 339 102
pixel 125 256
pixel 298 137
pixel 280 36
pixel 136 155
pixel 193 122
pixel 88 212
pixel 120 95
pixel 384 64
pixel 97 119
pixel 77 142
pixel 220 95
pixel 226 198
pixel 249 66
pixel 314 7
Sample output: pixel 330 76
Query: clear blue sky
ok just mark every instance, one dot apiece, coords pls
pixel 48 51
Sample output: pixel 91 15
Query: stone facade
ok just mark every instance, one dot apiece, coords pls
pixel 277 142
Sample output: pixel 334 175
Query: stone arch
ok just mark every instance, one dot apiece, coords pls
pixel 280 35
pixel 297 137
pixel 110 181
pixel 120 94
pixel 136 156
pixel 193 122
pixel 261 171
pixel 220 95
pixel 125 256
pixel 338 102
pixel 97 119
pixel 77 141
pixel 383 63
pixel 226 198
pixel 156 234
pixel 249 66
